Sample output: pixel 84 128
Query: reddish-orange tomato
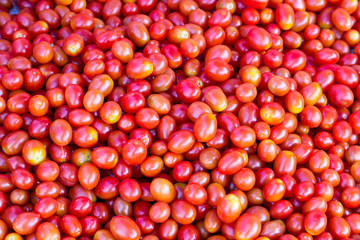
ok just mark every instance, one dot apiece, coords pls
pixel 93 100
pixel 34 152
pixel 104 157
pixel 181 141
pixel 26 223
pixel 139 68
pixel 284 16
pixel 229 208
pixel 73 45
pixel 243 137
pixel 43 52
pixel 272 113
pixel 205 127
pixel 183 212
pixel 162 190
pixel 232 162
pixel 134 152
pixel 60 132
pixel 248 226
pixel 274 190
pixel 315 222
pixel 47 230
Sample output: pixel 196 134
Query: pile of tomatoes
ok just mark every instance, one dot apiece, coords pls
pixel 179 119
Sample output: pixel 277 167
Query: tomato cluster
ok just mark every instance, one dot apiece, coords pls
pixel 179 119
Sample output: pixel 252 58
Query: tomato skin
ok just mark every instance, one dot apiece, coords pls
pixel 128 185
pixel 349 197
pixel 73 45
pixel 195 194
pixel 34 152
pixel 341 19
pixel 188 91
pixel 281 209
pixel 147 118
pixel 268 231
pixel 85 136
pixel 93 99
pixel 216 99
pixel 138 33
pixel 272 113
pixel 294 61
pixel 285 164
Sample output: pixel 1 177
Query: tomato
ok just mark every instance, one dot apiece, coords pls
pixel 12 144
pixel 315 222
pixel 340 95
pixel 104 157
pixel 139 68
pixel 73 45
pixel 205 127
pixel 26 223
pixel 248 226
pixel 243 137
pixel 70 225
pixel 259 39
pixel 272 113
pixel 93 100
pixel 232 162
pixel 134 152
pixel 350 196
pixel 47 230
pixel 229 208
pixel 138 33
pixel 61 132
pixel 217 70
pixel 159 212
pixel 195 194
pixel 162 190
pixel 341 19
pixel 284 16
pixel 274 190
pixel 80 207
pixel 89 176
pixel 34 152
pixel 183 212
